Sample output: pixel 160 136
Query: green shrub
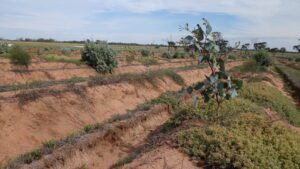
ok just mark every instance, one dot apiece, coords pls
pixel 297 60
pixel 145 52
pixel 176 55
pixel 19 57
pixel 3 47
pixel 232 57
pixel 182 54
pixel 100 56
pixel 248 141
pixel 167 55
pixel 262 58
pixel 130 58
pixel 268 96
pixel 66 51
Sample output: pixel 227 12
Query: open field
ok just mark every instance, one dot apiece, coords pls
pixel 196 103
pixel 59 107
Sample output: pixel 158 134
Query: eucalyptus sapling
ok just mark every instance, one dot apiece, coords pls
pixel 212 50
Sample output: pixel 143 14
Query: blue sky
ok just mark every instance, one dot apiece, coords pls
pixel 150 21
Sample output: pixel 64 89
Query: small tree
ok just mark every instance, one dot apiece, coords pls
pixel 171 44
pixel 19 57
pixel 218 85
pixel 100 56
pixel 262 58
pixel 283 50
pixel 245 48
pixel 260 46
pixel 297 47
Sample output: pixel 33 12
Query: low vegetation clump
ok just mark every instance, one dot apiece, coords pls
pixel 263 58
pixel 145 52
pixel 66 51
pixel 129 58
pixel 148 61
pixel 232 57
pixel 56 58
pixel 248 141
pixel 100 56
pixel 228 109
pixel 249 66
pixel 3 47
pixel 271 97
pixel 175 55
pixel 19 57
pixel 167 55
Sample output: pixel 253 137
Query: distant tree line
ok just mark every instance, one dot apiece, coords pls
pixel 297 47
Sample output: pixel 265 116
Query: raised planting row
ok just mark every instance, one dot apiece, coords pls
pixel 102 79
pixel 242 137
pixel 94 138
pixel 59 110
pixel 291 74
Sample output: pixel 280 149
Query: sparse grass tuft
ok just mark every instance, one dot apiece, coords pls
pixel 148 61
pixel 124 161
pixel 64 59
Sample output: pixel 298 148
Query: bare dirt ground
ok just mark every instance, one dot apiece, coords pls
pixel 162 157
pixel 103 149
pixel 25 127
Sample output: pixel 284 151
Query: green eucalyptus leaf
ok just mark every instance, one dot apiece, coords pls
pixel 190 89
pixel 195 101
pixel 206 98
pixel 233 93
pixel 214 79
pixel 198 46
pixel 199 33
pixel 222 65
pixel 188 39
pixel 238 83
pixel 199 86
pixel 200 59
pixel 208 27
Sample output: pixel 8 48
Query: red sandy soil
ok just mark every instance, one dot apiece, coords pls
pixel 162 157
pixel 55 116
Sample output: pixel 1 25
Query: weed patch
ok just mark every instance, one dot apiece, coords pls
pixel 271 97
pixel 248 141
pixel 228 109
pixel 64 59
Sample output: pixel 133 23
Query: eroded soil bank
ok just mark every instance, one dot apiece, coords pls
pixel 26 127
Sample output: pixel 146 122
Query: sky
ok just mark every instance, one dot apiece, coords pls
pixel 151 21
